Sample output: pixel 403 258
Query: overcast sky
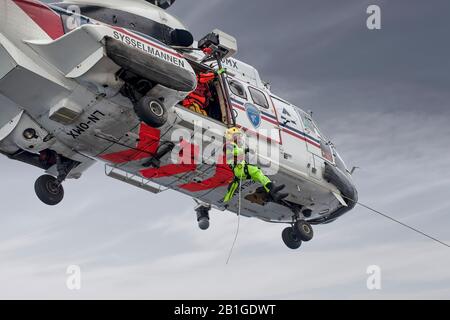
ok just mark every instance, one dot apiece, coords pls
pixel 382 96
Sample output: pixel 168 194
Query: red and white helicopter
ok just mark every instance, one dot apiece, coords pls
pixel 102 80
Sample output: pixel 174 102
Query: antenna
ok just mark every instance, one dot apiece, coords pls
pixel 354 169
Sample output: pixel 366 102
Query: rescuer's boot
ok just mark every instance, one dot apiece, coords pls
pixel 274 192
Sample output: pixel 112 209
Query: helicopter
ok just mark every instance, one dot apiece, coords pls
pixel 86 81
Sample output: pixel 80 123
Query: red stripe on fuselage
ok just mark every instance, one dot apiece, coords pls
pixel 301 137
pixel 222 177
pixel 147 146
pixel 284 130
pixel 46 18
pixel 256 134
pixel 269 120
pixel 187 158
pixel 273 121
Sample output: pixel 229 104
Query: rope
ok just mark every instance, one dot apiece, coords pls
pixel 238 222
pixel 389 218
pixel 400 223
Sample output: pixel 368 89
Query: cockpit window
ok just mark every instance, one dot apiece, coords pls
pixel 237 89
pixel 339 162
pixel 259 98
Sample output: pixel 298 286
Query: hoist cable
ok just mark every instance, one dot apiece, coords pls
pixel 238 222
pixel 400 223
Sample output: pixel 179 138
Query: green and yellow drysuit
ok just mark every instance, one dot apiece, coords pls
pixel 235 156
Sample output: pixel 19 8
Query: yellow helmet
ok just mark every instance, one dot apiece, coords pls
pixel 232 132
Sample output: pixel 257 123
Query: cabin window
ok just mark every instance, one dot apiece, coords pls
pixel 259 98
pixel 307 122
pixel 237 89
pixel 286 112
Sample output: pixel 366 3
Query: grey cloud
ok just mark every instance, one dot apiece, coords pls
pixel 324 47
pixel 383 99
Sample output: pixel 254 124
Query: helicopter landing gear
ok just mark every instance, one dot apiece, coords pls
pixel 303 230
pixel 290 238
pixel 49 190
pixel 202 211
pixel 300 231
pixel 151 111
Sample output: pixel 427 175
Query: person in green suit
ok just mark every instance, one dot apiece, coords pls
pixel 235 157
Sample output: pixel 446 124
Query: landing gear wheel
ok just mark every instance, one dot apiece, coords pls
pixel 290 238
pixel 304 230
pixel 151 111
pixel 48 190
